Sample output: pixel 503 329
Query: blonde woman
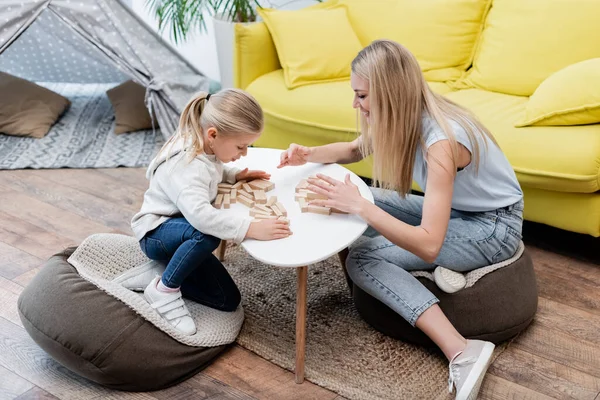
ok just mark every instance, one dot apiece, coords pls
pixel 470 216
pixel 177 223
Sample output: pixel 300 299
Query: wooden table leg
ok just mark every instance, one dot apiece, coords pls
pixel 221 250
pixel 302 276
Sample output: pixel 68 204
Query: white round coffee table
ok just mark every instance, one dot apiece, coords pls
pixel 315 237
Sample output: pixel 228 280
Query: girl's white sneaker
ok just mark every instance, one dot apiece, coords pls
pixel 171 307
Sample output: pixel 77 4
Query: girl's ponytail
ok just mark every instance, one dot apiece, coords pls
pixel 189 124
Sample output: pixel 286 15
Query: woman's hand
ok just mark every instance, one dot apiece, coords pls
pixel 269 229
pixel 294 156
pixel 250 175
pixel 343 196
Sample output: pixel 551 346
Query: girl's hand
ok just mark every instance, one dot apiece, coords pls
pixel 269 229
pixel 344 196
pixel 294 156
pixel 250 175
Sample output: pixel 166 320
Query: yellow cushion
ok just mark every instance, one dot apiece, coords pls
pixel 254 54
pixel 570 96
pixel 526 41
pixel 560 158
pixel 313 45
pixel 440 33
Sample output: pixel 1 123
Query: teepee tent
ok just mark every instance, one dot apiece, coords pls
pixel 73 35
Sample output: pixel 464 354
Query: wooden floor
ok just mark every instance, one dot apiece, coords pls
pixel 41 212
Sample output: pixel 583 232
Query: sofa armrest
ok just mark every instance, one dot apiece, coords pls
pixel 255 53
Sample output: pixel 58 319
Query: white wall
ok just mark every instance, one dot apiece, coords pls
pixel 200 49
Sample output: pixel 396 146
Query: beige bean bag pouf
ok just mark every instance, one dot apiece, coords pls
pixel 498 302
pixel 111 335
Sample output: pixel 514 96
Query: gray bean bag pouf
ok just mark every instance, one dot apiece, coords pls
pixel 100 337
pixel 500 302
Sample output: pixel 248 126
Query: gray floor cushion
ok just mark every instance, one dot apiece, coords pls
pixel 100 338
pixel 498 306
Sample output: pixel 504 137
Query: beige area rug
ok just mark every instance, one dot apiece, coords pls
pixel 343 353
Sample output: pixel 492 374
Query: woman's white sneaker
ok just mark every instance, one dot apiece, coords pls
pixel 449 281
pixel 171 307
pixel 468 368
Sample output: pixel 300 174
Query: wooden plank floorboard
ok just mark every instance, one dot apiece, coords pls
pixel 545 376
pixel 12 385
pixel 15 262
pixel 573 321
pixel 575 294
pixel 95 183
pixel 241 368
pixel 36 394
pixel 560 348
pixel 496 388
pixel 44 215
pixel 72 200
pixel 9 294
pixel 30 238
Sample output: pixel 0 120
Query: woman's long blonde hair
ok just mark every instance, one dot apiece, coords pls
pixel 229 111
pixel 399 95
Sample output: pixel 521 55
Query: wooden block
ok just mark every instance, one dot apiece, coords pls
pixel 233 196
pixel 303 205
pixel 276 211
pixel 319 210
pixel 224 185
pixel 270 186
pixel 223 190
pixel 258 184
pixel 265 209
pixel 219 201
pixel 247 187
pixel 238 185
pixel 249 195
pixel 262 184
pixel 264 216
pixel 284 219
pixel 246 201
pixel 302 185
pixel 315 196
pixel 272 200
pixel 255 211
pixel 335 210
pixel 260 197
pixel 300 196
pixel 226 200
pixel 281 208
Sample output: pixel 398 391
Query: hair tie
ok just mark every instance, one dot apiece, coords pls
pixel 207 97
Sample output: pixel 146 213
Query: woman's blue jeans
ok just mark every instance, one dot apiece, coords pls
pixel 473 240
pixel 191 264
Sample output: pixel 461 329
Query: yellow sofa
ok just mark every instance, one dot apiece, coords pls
pixel 487 56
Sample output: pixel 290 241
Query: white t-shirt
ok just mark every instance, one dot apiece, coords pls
pixel 494 186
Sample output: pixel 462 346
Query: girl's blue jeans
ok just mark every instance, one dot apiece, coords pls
pixel 473 240
pixel 191 264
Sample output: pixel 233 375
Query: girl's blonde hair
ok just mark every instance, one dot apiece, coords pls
pixel 229 111
pixel 399 95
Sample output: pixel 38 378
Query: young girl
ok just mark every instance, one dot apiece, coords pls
pixel 177 223
pixel 470 216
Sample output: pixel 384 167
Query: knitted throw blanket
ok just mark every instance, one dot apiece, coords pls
pixel 475 275
pixel 102 257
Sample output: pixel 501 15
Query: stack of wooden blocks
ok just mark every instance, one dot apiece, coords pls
pixel 253 195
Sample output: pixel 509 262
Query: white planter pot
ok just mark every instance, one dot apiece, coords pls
pixel 225 40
